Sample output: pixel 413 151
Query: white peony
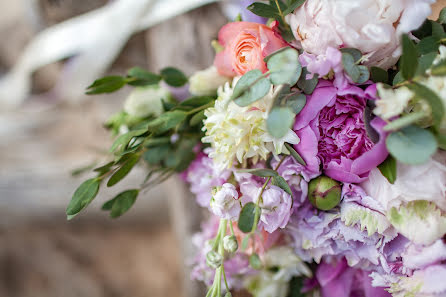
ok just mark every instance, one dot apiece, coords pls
pixel 239 133
pixel 206 82
pixel 392 102
pixel 145 101
pixel 372 26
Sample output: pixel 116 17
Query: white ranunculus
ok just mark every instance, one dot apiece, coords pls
pixel 145 101
pixel 392 102
pixel 372 26
pixel 422 182
pixel 206 82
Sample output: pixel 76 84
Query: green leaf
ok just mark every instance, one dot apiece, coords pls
pixel 106 84
pixel 197 118
pixel 124 170
pixel 279 122
pixel 379 75
pixel 124 139
pixel 263 10
pixel 296 103
pixel 441 139
pixel 364 74
pixel 142 77
pixel 388 169
pixel 295 155
pixel 255 262
pixel 397 79
pixel 167 121
pixel 404 121
pixel 285 67
pixel 428 45
pixel 196 101
pixel 292 6
pixel 412 145
pixel 409 59
pixel 83 195
pixel 437 31
pixel 356 54
pixel 173 77
pixel 350 67
pixel 262 172
pixel 245 242
pixel 251 87
pixel 425 62
pixel 439 69
pixel 105 168
pixel 296 285
pixel 307 86
pixel 432 99
pixel 442 16
pixel 247 217
pixel 281 183
pixel 151 142
pixel 156 154
pixel 123 202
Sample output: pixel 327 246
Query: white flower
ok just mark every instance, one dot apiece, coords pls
pixel 239 133
pixel 206 82
pixel 372 26
pixel 438 85
pixel 422 182
pixel 224 202
pixel 276 208
pixel 146 101
pixel 392 102
pixel 420 221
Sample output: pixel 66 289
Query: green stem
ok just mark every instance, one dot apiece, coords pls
pixel 210 104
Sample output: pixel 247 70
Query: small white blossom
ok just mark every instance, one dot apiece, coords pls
pixel 206 82
pixel 392 102
pixel 146 101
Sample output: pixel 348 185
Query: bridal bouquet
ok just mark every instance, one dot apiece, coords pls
pixel 316 141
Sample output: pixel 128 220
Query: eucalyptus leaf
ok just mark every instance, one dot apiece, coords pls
pixel 404 121
pixel 409 58
pixel 412 145
pixel 364 74
pixel 356 54
pixel 388 169
pixel 281 183
pixel 295 155
pixel 350 67
pixel 435 102
pixel 173 77
pixel 251 87
pixel 379 75
pixel 83 195
pixel 247 217
pixel 307 85
pixel 279 122
pixel 106 84
pixel 124 170
pixel 296 103
pixel 285 67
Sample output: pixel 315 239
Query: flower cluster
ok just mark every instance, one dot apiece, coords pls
pixel 320 160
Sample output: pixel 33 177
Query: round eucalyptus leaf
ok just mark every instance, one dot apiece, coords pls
pixel 412 145
pixel 285 67
pixel 250 88
pixel 279 121
pixel 364 74
pixel 350 67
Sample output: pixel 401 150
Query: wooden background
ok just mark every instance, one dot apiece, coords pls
pixel 42 255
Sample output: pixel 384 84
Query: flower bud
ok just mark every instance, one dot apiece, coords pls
pixel 228 294
pixel 324 193
pixel 206 82
pixel 255 262
pixel 214 259
pixel 145 101
pixel 230 243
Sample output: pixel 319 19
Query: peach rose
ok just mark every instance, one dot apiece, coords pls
pixel 245 45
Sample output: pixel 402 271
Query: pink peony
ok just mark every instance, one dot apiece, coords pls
pixel 332 132
pixel 245 46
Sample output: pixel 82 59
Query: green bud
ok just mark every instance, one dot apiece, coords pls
pixel 228 294
pixel 255 262
pixel 214 259
pixel 230 243
pixel 324 193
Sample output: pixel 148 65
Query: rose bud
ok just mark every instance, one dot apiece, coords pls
pixel 324 193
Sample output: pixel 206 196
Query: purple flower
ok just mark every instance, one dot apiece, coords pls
pixel 332 132
pixel 276 209
pixel 202 176
pixel 338 279
pixel 225 202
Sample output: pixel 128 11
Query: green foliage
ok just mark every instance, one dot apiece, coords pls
pixel 125 168
pixel 404 121
pixel 173 77
pixel 442 16
pixel 284 66
pixel 355 53
pixel 412 145
pixel 307 85
pixel 106 84
pixel 280 120
pixel 121 203
pixel 409 59
pixel 263 10
pixel 296 285
pixel 295 155
pixel 388 169
pixel 246 220
pixel 167 121
pixel 296 102
pixel 350 59
pixel 251 87
pixel 83 195
pixel 140 77
pixel 379 75
pixel 439 69
pixel 281 183
pixel 262 172
pixel 255 262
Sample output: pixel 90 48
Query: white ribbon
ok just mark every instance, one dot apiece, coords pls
pixel 95 39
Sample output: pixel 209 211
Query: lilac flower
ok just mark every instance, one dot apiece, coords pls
pixel 225 202
pixel 202 176
pixel 276 208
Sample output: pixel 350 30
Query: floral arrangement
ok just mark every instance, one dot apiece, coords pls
pixel 316 142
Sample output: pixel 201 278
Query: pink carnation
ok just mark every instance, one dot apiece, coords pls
pixel 333 133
